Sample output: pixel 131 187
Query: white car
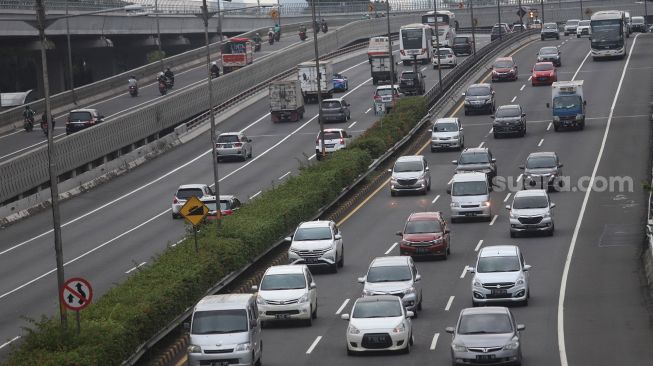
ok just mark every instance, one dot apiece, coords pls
pixel 383 97
pixel 447 58
pixel 287 293
pixel 583 29
pixel 233 144
pixel 447 133
pixel 334 139
pixel 186 191
pixel 379 323
pixel 394 275
pixel 531 212
pixel 317 243
pixel 500 275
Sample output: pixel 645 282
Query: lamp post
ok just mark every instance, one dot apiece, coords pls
pixel 645 17
pixel 437 42
pixel 471 8
pixel 581 9
pixel 219 28
pixel 319 80
pixel 279 12
pixel 499 16
pixel 71 78
pixel 158 33
pixel 542 15
pixel 393 76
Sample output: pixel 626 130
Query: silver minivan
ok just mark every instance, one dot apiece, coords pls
pixel 470 196
pixel 225 330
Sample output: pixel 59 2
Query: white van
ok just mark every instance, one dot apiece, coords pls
pixel 470 196
pixel 225 330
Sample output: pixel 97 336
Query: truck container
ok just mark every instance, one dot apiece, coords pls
pixel 236 53
pixel 567 104
pixel 378 46
pixel 308 79
pixel 286 101
pixel 381 71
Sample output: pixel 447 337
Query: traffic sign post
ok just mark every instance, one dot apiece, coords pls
pixel 76 294
pixel 194 211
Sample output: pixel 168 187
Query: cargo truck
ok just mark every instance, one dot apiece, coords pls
pixel 567 104
pixel 381 69
pixel 308 79
pixel 286 101
pixel 236 53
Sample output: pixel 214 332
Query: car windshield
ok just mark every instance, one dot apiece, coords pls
pixel 227 139
pixel 331 104
pixel 445 127
pixel 219 322
pixel 79 116
pixel 584 23
pixel 550 26
pixel 313 233
pixel 543 67
pixel 548 51
pixel 422 227
pixel 496 30
pixel 331 135
pixel 473 159
pixel 498 264
pixel 484 324
pixel 186 193
pixel 503 64
pixel 212 205
pixel 408 166
pixel 539 162
pixel 478 91
pixel 389 274
pixel 460 40
pixel 572 22
pixel 526 202
pixel 377 309
pixel 504 112
pixel 566 102
pixel 288 281
pixel 474 188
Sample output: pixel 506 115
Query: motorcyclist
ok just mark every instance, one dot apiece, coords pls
pixel 215 69
pixel 302 28
pixel 277 30
pixel 324 24
pixel 132 81
pixel 270 34
pixel 161 77
pixel 28 112
pixel 257 38
pixel 170 75
pixel 44 119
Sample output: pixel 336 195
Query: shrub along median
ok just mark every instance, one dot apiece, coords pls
pixel 133 311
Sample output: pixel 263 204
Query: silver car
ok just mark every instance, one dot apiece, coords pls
pixel 410 174
pixel 233 145
pixel 488 336
pixel 335 110
pixel 447 133
pixel 396 275
pixel 531 212
pixel 317 243
pixel 500 275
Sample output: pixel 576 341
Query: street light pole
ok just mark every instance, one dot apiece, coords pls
pixel 471 8
pixel 499 15
pixel 542 16
pixel 158 33
pixel 216 180
pixel 393 76
pixel 54 189
pixel 437 42
pixel 70 58
pixel 279 12
pixel 219 22
pixel 645 17
pixel 581 9
pixel 319 80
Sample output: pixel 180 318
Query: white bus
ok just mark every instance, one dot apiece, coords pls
pixel 609 33
pixel 447 26
pixel 415 43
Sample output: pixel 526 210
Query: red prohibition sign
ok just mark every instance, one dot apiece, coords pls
pixel 76 294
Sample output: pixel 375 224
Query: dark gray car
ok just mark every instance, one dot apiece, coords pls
pixel 336 110
pixel 509 119
pixel 550 54
pixel 549 30
pixel 488 336
pixel 543 170
pixel 477 159
pixel 479 98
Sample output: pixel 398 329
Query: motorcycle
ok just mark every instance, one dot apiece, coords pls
pixel 302 35
pixel 44 126
pixel 163 89
pixel 271 39
pixel 257 46
pixel 325 28
pixel 133 90
pixel 28 124
pixel 214 75
pixel 277 36
pixel 170 82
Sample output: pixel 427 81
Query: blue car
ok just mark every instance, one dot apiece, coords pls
pixel 340 82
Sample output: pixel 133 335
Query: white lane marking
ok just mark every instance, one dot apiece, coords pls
pixel 519 178
pixel 255 195
pixel 391 248
pixel 283 176
pixel 581 66
pixel 530 77
pixel 481 144
pixel 435 199
pixel 352 124
pixel 540 143
pixel 565 273
pixel 522 87
pixel 10 342
pixel 434 342
pixel 255 122
pixel 342 307
pixel 507 197
pixel 423 68
pixel 367 111
pixel 178 242
pixel 462 275
pixel 23 149
pixel 85 253
pixel 513 99
pixel 491 130
pixel 312 347
pixel 135 268
pixel 449 182
pixel 10 134
pixel 493 220
pixel 446 308
pixel 311 157
pixel 549 126
pixel 478 246
pixel 353 67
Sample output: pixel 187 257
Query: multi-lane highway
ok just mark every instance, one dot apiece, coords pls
pixel 587 305
pixel 127 221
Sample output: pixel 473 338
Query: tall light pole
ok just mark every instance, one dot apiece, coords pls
pixel 645 17
pixel 219 26
pixel 521 16
pixel 158 33
pixel 392 59
pixel 437 42
pixel 319 79
pixel 70 58
pixel 279 12
pixel 54 188
pixel 216 181
pixel 471 8
pixel 499 15
pixel 542 16
pixel 581 9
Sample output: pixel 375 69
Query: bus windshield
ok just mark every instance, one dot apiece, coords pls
pixel 412 38
pixel 607 31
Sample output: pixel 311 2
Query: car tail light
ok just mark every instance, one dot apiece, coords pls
pixel 402 52
pixel 238 144
pixel 342 141
pixel 175 200
pixel 423 51
pixel 227 212
pixel 376 97
pixel 449 56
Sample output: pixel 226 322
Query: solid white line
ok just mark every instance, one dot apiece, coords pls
pixel 481 144
pixel 358 64
pixel 507 197
pixel 478 246
pixel 513 99
pixel 9 342
pixel 449 182
pixel 462 275
pixel 540 143
pixel 491 130
pixel 423 68
pixel 434 342
pixel 352 124
pixel 135 268
pixel 312 347
pixel 530 77
pixel 342 307
pixel 549 126
pixel 493 220
pixel 255 195
pixel 581 66
pixel 11 133
pixel 446 308
pixel 565 273
pixel 311 157
pixel 522 87
pixel 435 199
pixel 391 248
pixel 255 122
pixel 283 176
pixel 368 109
pixel 520 176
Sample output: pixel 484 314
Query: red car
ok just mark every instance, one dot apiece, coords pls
pixel 544 73
pixel 425 234
pixel 504 68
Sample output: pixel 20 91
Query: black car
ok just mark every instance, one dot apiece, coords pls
pixel 549 30
pixel 550 54
pixel 411 82
pixel 80 119
pixel 463 45
pixel 509 119
pixel 477 159
pixel 479 98
pixel 498 31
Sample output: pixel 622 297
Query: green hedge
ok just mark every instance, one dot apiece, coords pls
pixel 133 311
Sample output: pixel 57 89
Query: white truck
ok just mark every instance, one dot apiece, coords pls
pixel 567 104
pixel 381 69
pixel 286 101
pixel 378 46
pixel 308 78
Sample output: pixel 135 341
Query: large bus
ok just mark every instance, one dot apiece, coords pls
pixel 609 33
pixel 447 26
pixel 415 43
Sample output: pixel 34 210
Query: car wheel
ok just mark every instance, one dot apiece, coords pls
pixel 425 191
pixel 392 193
pixel 475 304
pixel 445 256
pixel 406 350
pixel 432 149
pixel 556 127
pixel 263 324
pixel 558 37
pixel 550 233
pixel 454 220
pixel 314 313
pixel 419 305
pixel 309 321
pixel 334 268
pixel 496 135
pixel 462 144
pixel 341 263
pixel 428 188
pixel 582 125
pixel 350 352
pixel 513 234
pixel 175 216
pixel 250 154
pixel 578 36
pixel 542 38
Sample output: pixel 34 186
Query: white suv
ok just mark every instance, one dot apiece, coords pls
pixel 334 139
pixel 186 191
pixel 501 275
pixel 287 292
pixel 531 212
pixel 317 243
pixel 447 133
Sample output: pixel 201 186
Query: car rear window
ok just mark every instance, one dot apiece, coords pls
pixel 333 104
pixel 80 116
pixel 187 193
pixel 331 135
pixel 460 40
pixel 503 64
pixel 543 67
pixel 423 227
pixel 408 75
pixel 508 112
pixel 227 138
